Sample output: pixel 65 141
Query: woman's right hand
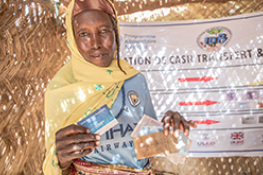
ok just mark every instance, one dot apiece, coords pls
pixel 74 141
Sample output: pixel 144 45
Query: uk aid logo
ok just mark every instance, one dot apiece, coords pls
pixel 237 138
pixel 213 39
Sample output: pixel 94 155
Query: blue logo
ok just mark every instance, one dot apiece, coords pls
pixel 134 98
pixel 214 39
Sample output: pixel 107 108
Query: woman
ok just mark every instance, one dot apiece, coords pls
pixel 96 76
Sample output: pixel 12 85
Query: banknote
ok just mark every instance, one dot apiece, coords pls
pixel 99 121
pixel 149 141
pixel 145 123
pixel 177 158
pixel 155 144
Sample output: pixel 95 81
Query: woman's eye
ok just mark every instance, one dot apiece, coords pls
pixel 103 31
pixel 83 34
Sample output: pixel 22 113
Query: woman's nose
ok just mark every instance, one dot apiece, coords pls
pixel 95 42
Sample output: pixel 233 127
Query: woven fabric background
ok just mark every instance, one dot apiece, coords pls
pixel 33 48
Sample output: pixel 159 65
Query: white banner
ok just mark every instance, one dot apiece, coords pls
pixel 208 70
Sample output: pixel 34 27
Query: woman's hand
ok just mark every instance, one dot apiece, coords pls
pixel 74 141
pixel 175 120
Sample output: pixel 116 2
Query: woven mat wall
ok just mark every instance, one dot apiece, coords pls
pixel 33 49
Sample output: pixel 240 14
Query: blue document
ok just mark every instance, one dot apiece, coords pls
pixel 99 121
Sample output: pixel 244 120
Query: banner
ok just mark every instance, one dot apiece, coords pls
pixel 208 70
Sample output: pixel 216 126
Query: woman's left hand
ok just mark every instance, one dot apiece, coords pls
pixel 175 120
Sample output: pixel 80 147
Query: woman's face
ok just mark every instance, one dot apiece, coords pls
pixel 95 37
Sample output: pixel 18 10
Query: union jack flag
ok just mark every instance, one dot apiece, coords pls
pixel 237 136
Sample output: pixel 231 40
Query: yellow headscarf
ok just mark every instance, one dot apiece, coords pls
pixel 77 90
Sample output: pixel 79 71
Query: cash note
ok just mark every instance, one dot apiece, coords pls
pixel 141 127
pixel 155 144
pixel 150 141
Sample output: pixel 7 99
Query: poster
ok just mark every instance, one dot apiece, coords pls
pixel 208 70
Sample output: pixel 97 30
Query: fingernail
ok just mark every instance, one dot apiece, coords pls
pixel 88 131
pixel 98 142
pixel 167 125
pixel 176 133
pixel 186 133
pixel 97 137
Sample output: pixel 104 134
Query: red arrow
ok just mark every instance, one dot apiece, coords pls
pixel 207 103
pixel 207 122
pixel 204 78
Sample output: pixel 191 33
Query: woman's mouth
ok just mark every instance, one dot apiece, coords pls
pixel 97 56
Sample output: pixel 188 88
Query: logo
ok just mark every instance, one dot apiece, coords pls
pixel 214 39
pixel 205 136
pixel 237 138
pixel 206 142
pixel 134 98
